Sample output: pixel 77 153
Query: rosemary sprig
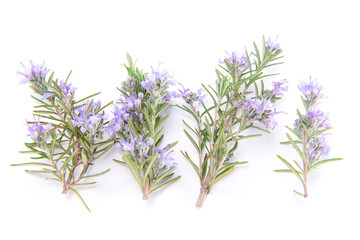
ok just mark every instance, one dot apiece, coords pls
pixel 237 104
pixel 66 134
pixel 309 131
pixel 137 127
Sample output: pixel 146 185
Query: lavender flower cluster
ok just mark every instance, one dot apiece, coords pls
pixel 310 130
pixel 191 97
pixel 152 92
pixel 313 121
pixel 262 109
pixel 86 116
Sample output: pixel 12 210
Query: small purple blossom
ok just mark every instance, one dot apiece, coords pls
pixel 115 123
pixel 166 160
pixel 320 118
pixel 137 148
pixel 34 72
pixel 191 97
pixel 183 91
pixel 272 45
pixel 37 129
pixel 157 76
pixel 67 88
pixel 128 145
pixel 132 102
pixel 259 110
pixel 172 94
pixel 201 95
pixel 255 104
pixel 238 63
pixel 87 117
pixel 279 88
pixel 311 88
pixel 317 148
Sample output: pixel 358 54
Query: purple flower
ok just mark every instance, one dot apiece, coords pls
pixel 239 64
pixel 129 103
pixel 115 123
pixel 201 95
pixel 259 110
pixel 272 45
pixel 157 76
pixel 171 94
pixel 312 88
pixel 35 71
pixel 279 88
pixel 183 91
pixel 86 115
pixel 137 148
pixel 166 160
pixel 191 97
pixel 126 145
pixel 251 104
pixel 67 88
pixel 37 129
pixel 317 148
pixel 320 118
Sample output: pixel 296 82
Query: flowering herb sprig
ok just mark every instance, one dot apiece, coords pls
pixel 239 102
pixel 66 133
pixel 310 130
pixel 137 126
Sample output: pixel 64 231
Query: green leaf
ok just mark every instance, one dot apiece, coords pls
pixel 292 130
pixel 98 174
pixel 36 171
pixel 186 109
pixel 204 168
pixel 71 146
pixel 259 128
pixel 133 169
pixel 170 146
pixel 82 200
pixel 192 141
pixel 53 173
pixel 192 163
pixel 159 122
pixel 210 94
pixel 288 142
pixel 295 146
pixel 162 185
pixel 84 184
pixel 257 53
pixel 291 167
pixel 66 162
pixel 103 151
pixel 52 148
pixel 299 193
pixel 284 171
pixel 248 136
pixel 317 134
pixel 67 78
pixel 190 128
pixel 103 107
pixel 233 164
pixel 31 163
pixel 162 177
pixel 152 160
pixel 325 161
pixel 53 179
pixel 62 106
pixel 119 161
pixel 221 175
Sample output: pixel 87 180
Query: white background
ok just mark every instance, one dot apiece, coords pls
pixel 319 39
